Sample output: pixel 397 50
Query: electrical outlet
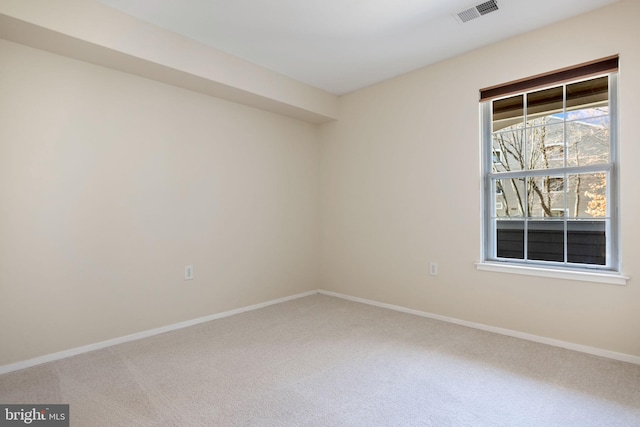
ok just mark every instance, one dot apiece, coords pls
pixel 188 272
pixel 433 269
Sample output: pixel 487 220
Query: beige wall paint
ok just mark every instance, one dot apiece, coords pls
pixel 110 184
pixel 401 187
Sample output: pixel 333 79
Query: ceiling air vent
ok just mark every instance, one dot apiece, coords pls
pixel 477 11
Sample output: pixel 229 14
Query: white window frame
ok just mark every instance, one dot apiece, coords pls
pixel 609 273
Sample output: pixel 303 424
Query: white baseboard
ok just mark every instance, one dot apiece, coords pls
pixel 145 334
pixel 508 332
pixel 140 335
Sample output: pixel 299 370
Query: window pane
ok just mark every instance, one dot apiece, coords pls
pixel 510 239
pixel 589 98
pixel 546 196
pixel 508 151
pixel 508 112
pixel 546 145
pixel 588 141
pixel 555 155
pixel 550 187
pixel 586 242
pixel 545 240
pixel 587 195
pixel 545 105
pixel 510 194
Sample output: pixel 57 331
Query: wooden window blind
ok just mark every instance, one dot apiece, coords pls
pixel 599 66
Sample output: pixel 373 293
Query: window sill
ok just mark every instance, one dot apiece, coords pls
pixel 584 276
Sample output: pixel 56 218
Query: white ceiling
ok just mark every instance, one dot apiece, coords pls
pixel 343 45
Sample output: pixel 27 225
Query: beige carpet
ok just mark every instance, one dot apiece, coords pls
pixel 323 361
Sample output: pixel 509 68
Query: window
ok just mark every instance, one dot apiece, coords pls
pixel 497 156
pixel 550 169
pixel 555 184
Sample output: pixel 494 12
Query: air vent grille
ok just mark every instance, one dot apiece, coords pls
pixel 468 15
pixel 477 11
pixel 487 7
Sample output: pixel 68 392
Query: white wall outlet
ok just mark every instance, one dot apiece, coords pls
pixel 433 269
pixel 188 272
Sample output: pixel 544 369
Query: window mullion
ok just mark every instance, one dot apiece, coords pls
pixel 525 214
pixel 565 224
pixel 613 230
pixel 603 167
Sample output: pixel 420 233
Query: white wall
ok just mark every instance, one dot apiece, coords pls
pixel 110 184
pixel 401 187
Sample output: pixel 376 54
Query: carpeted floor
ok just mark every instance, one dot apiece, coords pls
pixel 323 361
